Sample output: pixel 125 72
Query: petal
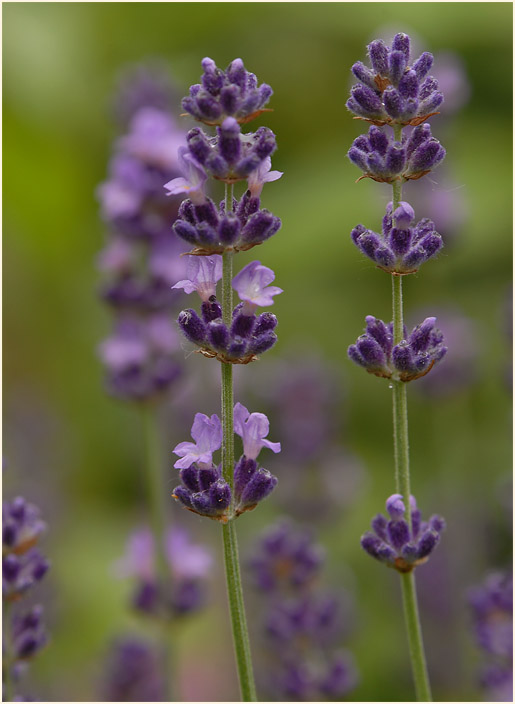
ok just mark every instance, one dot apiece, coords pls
pixel 186 284
pixel 240 416
pixel 274 446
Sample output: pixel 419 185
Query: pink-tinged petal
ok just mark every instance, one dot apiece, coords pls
pixel 177 186
pixel 257 178
pixel 186 284
pixel 274 446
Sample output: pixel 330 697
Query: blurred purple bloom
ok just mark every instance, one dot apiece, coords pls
pixel 133 673
pixel 192 181
pixel 207 432
pixel 186 559
pixel 253 429
pixel 256 179
pixel 143 86
pixel 203 274
pixel 153 138
pixel 252 286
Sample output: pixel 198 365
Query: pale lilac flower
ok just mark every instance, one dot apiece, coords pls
pixel 256 179
pixel 192 181
pixel 117 257
pixel 252 286
pixel 203 274
pixel 253 429
pixel 154 138
pixel 139 558
pixel 207 432
pixel 118 200
pixel 161 335
pixel 125 348
pixel 186 559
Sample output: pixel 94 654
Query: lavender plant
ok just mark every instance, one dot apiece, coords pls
pixel 302 623
pixel 227 99
pixel 398 94
pixel 23 567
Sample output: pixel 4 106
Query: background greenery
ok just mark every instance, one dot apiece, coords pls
pixel 77 453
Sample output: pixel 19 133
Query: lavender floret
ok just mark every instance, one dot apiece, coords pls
pixel 395 543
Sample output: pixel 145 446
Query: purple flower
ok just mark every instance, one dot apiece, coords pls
pixel 153 138
pixel 400 249
pixel 393 91
pixel 384 160
pixel 411 358
pixel 233 92
pixel 203 274
pixel 207 432
pixel 252 286
pixel 256 179
pixel 133 673
pixel 398 544
pixel 143 86
pixel 253 429
pixel 191 182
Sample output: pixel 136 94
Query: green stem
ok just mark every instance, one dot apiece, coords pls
pixel 231 560
pixel 158 519
pixel 402 479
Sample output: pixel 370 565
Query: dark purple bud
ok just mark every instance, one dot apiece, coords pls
pixel 397 65
pixel 218 335
pixel 229 142
pixel 220 495
pixel 386 553
pixel 243 472
pixel 379 524
pixel 395 506
pixel 28 646
pixel 408 85
pixel 237 347
pixel 431 244
pixel 260 227
pixel 431 104
pixel 378 140
pixel 192 326
pixel 356 108
pixel 237 74
pixel 207 476
pixel 419 135
pixel 263 342
pixel 401 42
pixel 189 477
pixel 201 503
pixel 207 234
pixel 185 231
pixel 9 534
pixel 206 212
pixel 400 240
pixel 198 145
pixel 265 322
pixel 371 352
pixel 146 597
pixel 415 521
pixel 371 544
pixel 364 74
pixel 208 106
pixel 404 215
pixel 367 99
pixel 379 331
pixel 218 166
pixel 410 552
pixel 398 533
pixel 427 544
pixel 393 103
pixel 259 487
pixel 211 310
pixel 437 523
pixel 354 356
pixel 427 156
pixel 40 568
pixel 384 257
pixel 428 87
pixel 183 495
pixel 396 159
pixel 358 158
pixel 186 212
pixel 402 357
pixel 356 233
pixel 265 92
pixel 250 104
pixel 362 143
pixel 18 508
pixel 378 53
pixel 189 105
pixel 229 97
pixel 368 243
pixel 265 144
pixel 414 258
pixel 242 325
pixel 421 336
pixel 10 567
pixel 423 65
pixel 229 228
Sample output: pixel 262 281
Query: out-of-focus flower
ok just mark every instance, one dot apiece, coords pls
pixel 133 673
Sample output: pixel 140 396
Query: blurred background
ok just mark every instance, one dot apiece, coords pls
pixel 77 452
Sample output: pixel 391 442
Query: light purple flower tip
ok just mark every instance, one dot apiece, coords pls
pixel 139 558
pixel 207 432
pixel 123 349
pixel 395 506
pixel 252 286
pixel 154 138
pixel 253 429
pixel 202 273
pixel 256 179
pixel 192 181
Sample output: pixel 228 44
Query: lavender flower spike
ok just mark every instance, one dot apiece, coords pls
pixel 203 274
pixel 253 429
pixel 395 543
pixel 193 179
pixel 252 286
pixel 207 432
pixel 412 358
